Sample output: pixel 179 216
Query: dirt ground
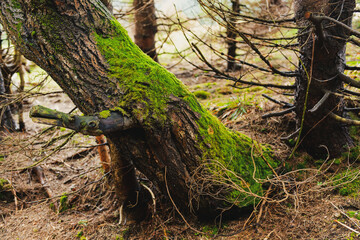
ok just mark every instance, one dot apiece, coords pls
pixel 83 205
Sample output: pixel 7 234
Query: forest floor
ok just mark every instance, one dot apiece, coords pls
pixel 314 199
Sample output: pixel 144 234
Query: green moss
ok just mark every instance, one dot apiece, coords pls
pixel 202 94
pixel 63 203
pixel 348 183
pixel 233 156
pixel 147 89
pixel 5 188
pixel 146 85
pixel 105 114
pixel 353 154
pixel 4 184
pixel 354 214
pixel 16 4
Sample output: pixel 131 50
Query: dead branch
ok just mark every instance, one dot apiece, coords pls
pixel 278 114
pixel 349 80
pixel 319 19
pixel 321 102
pixel 344 120
pixel 282 103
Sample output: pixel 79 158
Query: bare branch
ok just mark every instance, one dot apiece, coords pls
pixel 88 125
pixel 344 120
pixel 322 18
pixel 291 135
pixel 277 114
pixel 321 102
pixel 282 103
pixel 349 80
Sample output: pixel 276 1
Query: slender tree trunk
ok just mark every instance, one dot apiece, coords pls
pixel 231 36
pixel 6 120
pixel 145 26
pixel 108 4
pixel 322 59
pixel 187 153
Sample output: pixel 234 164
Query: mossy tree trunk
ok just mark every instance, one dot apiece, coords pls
pixel 145 26
pixel 178 145
pixel 322 59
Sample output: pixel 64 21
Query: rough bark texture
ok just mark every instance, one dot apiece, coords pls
pixel 231 35
pixel 145 26
pixel 6 120
pixel 322 134
pixel 108 4
pixel 177 144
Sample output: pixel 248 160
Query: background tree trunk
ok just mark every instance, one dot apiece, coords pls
pixel 6 120
pixel 231 35
pixel 108 4
pixel 322 134
pixel 145 26
pixel 177 144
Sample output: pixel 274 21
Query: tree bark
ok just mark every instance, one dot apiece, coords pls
pixel 322 58
pixel 108 4
pixel 231 35
pixel 145 26
pixel 186 152
pixel 6 120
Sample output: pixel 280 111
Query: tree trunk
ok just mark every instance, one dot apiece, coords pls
pixel 145 26
pixel 108 4
pixel 187 153
pixel 6 120
pixel 322 59
pixel 231 35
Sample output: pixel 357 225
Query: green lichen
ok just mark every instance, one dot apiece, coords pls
pixel 147 86
pixel 105 114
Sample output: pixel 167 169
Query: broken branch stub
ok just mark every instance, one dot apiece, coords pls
pixel 88 125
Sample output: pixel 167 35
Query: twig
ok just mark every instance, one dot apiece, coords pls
pixel 291 135
pixel 44 158
pixel 351 109
pixel 176 208
pixel 347 67
pixel 351 229
pixel 344 120
pixel 321 102
pixel 343 213
pixel 238 80
pixel 322 18
pixel 282 103
pixel 277 114
pixel 152 195
pixel 349 80
pixel 351 92
pixel 262 205
pixel 309 77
